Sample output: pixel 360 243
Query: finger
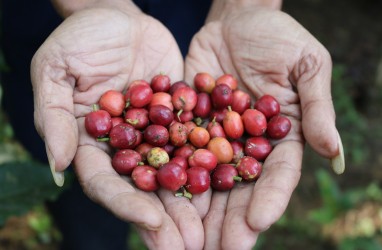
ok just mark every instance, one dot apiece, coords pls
pixel 236 232
pixel 313 76
pixel 186 218
pixel 201 45
pixel 202 202
pixel 54 117
pixel 104 186
pixel 168 235
pixel 213 222
pixel 157 229
pixel 272 192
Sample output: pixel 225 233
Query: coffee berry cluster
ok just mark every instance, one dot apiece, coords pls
pixel 187 139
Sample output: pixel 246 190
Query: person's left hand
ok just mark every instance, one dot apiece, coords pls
pixel 269 53
pixel 107 46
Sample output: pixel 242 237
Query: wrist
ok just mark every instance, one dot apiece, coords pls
pixel 67 7
pixel 222 8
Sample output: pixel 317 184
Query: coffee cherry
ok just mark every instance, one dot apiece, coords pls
pixel 241 101
pixel 224 176
pixel 184 99
pixel 203 158
pixel 171 176
pixel 178 134
pixel 221 148
pixel 221 96
pixel 144 177
pixel 199 137
pixel 255 123
pixel 249 168
pixel 233 125
pixel 98 123
pixel 204 82
pixel 125 160
pixel 113 102
pixel 157 156
pixel 137 117
pixel 139 95
pixel 258 148
pixel 161 115
pixel 160 83
pixel 198 180
pixel 227 79
pixel 278 127
pixel 123 136
pixel 203 106
pixel 156 135
pixel 268 105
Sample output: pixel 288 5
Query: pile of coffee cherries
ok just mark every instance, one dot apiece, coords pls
pixel 186 139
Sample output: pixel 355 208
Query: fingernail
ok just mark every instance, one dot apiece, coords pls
pixel 338 162
pixel 148 227
pixel 58 177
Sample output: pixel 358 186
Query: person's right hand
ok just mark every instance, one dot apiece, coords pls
pixel 94 50
pixel 269 53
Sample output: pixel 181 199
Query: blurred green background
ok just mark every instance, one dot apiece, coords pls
pixel 326 211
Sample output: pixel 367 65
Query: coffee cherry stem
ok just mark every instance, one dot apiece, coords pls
pixel 179 113
pixel 229 108
pixel 95 107
pixel 103 139
pixel 237 178
pixel 183 193
pixel 141 163
pixel 214 120
pixel 132 121
pixel 198 121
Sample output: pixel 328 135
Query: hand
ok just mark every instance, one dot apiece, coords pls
pixel 269 53
pixel 93 50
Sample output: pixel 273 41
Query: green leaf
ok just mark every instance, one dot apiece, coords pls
pixel 360 243
pixel 24 185
pixel 332 199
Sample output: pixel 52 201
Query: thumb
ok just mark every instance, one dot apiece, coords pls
pixel 54 113
pixel 313 75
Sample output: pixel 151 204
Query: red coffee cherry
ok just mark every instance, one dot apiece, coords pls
pixel 160 83
pixel 171 176
pixel 255 123
pixel 278 127
pixel 125 160
pixel 198 180
pixel 249 168
pixel 224 176
pixel 268 105
pixel 258 148
pixel 144 177
pixel 98 123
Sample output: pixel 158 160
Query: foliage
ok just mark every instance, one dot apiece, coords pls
pixel 40 221
pixel 335 202
pixel 360 243
pixel 351 124
pixel 134 241
pixel 23 185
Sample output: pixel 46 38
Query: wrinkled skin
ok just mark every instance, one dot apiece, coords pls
pixel 90 52
pixel 269 53
pixel 105 48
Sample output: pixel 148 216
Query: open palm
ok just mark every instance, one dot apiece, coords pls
pixel 269 53
pixel 92 51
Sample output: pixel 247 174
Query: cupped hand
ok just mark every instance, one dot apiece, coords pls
pixel 94 50
pixel 269 53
